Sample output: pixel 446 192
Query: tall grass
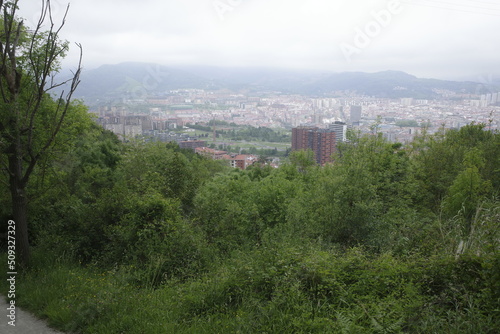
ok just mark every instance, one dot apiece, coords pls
pixel 282 289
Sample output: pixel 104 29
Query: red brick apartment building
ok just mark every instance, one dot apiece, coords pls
pixel 321 141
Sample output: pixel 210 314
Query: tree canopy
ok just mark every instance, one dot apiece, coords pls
pixel 31 118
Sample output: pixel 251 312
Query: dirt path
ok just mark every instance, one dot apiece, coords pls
pixel 25 322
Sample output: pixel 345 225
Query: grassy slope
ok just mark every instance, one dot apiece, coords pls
pixel 288 289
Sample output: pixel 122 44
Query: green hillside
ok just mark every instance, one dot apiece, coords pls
pixel 148 238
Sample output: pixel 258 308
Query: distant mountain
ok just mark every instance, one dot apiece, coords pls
pixel 134 81
pixel 138 80
pixel 390 84
pixel 259 79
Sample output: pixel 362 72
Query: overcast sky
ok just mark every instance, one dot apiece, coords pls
pixel 449 39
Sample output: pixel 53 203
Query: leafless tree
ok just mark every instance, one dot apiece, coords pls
pixel 29 60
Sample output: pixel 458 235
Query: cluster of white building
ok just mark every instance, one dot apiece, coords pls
pixel 275 110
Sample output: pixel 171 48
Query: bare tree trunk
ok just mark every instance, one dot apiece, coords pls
pixel 19 210
pixel 19 201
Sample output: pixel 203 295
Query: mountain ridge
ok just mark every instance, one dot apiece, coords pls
pixel 135 80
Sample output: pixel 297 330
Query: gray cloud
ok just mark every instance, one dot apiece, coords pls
pixel 455 41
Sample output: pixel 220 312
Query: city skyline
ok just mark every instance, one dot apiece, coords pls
pixel 436 39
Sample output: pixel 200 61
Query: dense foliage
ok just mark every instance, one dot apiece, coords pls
pixel 244 132
pixel 388 239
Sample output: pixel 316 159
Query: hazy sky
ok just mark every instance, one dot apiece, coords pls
pixel 437 38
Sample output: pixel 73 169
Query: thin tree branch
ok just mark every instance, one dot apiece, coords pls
pixel 41 75
pixel 66 102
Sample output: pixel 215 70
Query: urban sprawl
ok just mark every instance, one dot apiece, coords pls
pixel 399 120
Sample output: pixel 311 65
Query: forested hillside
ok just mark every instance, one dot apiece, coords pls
pixel 101 236
pixel 148 238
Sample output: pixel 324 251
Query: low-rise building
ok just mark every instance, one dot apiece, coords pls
pixel 192 144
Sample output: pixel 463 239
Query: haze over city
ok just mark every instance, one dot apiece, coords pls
pixel 438 39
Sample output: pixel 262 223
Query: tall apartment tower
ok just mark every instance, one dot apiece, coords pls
pixel 340 129
pixel 356 114
pixel 321 141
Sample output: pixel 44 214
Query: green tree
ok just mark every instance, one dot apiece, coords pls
pixel 158 168
pixel 438 159
pixel 302 159
pixel 467 190
pixel 30 118
pixel 345 205
pixel 226 212
pixel 350 202
pixel 153 232
pixel 72 194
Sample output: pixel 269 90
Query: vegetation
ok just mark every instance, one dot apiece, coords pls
pixel 407 123
pixel 388 239
pixel 247 139
pixel 244 132
pixel 284 151
pixel 148 238
pixel 30 118
pixel 250 133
